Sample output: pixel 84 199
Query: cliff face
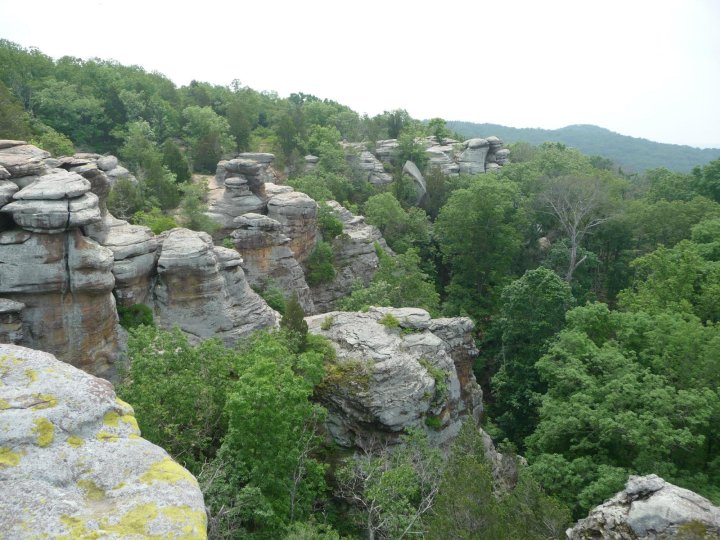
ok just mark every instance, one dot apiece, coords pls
pixel 73 465
pixel 388 378
pixel 63 278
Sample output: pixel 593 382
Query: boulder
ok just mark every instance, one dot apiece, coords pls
pixel 65 282
pixel 649 508
pixel 267 256
pixel 7 190
pixel 472 159
pixel 202 289
pixel 58 184
pixel 411 170
pixel 355 258
pixel 107 163
pixel 297 213
pixel 20 159
pixel 73 464
pixel 372 168
pixel 387 378
pixel 54 216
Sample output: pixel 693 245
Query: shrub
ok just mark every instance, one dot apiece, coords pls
pixel 328 223
pixel 135 315
pixel 389 321
pixel 320 266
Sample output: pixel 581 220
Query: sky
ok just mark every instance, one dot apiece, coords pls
pixel 647 69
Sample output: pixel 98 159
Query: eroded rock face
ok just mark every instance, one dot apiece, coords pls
pixel 648 508
pixel 11 321
pixel 297 213
pixel 266 256
pixel 356 258
pixel 73 464
pixel 202 289
pixel 387 379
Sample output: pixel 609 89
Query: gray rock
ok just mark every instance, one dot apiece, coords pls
pixel 648 508
pixel 297 213
pixel 267 256
pixel 23 159
pixel 7 190
pixel 373 168
pixel 272 189
pixel 107 163
pixel 4 173
pixel 202 289
pixel 419 181
pixel 8 143
pixel 119 173
pixel 55 216
pixel 385 379
pixel 58 184
pixel 75 465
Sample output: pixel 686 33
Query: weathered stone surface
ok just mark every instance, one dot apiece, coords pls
pixel 23 159
pixel 7 190
pixel 9 143
pixel 65 282
pixel 298 215
pixel 4 173
pixel 73 465
pixel 11 321
pixel 267 256
pixel 648 508
pixel 373 168
pixel 54 215
pixel 387 380
pixel 411 170
pixel 272 189
pixel 355 258
pixel 441 157
pixel 202 289
pixel 311 162
pixel 107 163
pixel 134 249
pixel 58 184
pixel 385 150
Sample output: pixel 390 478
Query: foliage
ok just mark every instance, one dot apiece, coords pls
pixel 273 294
pixel 391 491
pixel 706 180
pixel 155 220
pixel 193 208
pixel 125 199
pixel 53 141
pixel 389 321
pixel 478 232
pixel 208 135
pixel 401 229
pixel 320 267
pixel 176 161
pixel 135 315
pixel 532 310
pixel 293 322
pixel 328 222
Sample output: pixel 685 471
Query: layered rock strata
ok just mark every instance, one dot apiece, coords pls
pixel 201 288
pixel 650 508
pixel 73 464
pixel 390 376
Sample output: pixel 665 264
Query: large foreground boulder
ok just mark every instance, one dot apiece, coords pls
pixel 73 464
pixel 649 508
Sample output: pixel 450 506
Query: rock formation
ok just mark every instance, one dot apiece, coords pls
pixel 202 289
pixel 649 508
pixel 390 377
pixel 63 278
pixel 355 258
pixel 73 464
pixel 411 170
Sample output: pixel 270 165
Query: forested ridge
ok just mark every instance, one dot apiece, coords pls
pixel 594 295
pixel 633 154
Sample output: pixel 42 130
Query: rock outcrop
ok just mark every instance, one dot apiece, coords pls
pixel 397 368
pixel 202 289
pixel 63 278
pixel 11 330
pixel 649 508
pixel 297 213
pixel 356 258
pixel 73 464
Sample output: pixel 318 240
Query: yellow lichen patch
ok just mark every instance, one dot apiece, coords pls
pixel 45 431
pixel 106 436
pixel 166 470
pixel 31 374
pixel 44 401
pixel 130 420
pixel 111 419
pixel 75 441
pixel 4 404
pixel 8 458
pixel 193 523
pixel 91 490
pixel 126 407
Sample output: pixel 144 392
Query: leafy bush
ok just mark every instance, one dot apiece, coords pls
pixel 135 315
pixel 155 220
pixel 328 222
pixel 320 265
pixel 389 321
pixel 273 295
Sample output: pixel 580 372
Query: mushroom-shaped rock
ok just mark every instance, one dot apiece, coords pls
pixel 20 159
pixel 73 464
pixel 393 372
pixel 649 508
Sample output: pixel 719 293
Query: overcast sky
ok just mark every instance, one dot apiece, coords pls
pixel 642 68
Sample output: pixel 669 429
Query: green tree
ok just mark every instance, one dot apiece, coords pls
pixel 193 208
pixel 293 322
pixel 328 222
pixel 532 310
pixel 174 159
pixel 401 229
pixel 320 268
pixel 438 129
pixel 14 123
pixel 706 180
pixel 208 136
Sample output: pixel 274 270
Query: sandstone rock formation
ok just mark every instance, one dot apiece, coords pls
pixel 11 321
pixel 63 278
pixel 73 464
pixel 202 289
pixel 649 508
pixel 297 213
pixel 389 378
pixel 371 166
pixel 411 170
pixel 355 258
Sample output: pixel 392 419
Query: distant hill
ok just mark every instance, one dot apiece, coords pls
pixel 631 153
